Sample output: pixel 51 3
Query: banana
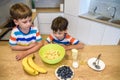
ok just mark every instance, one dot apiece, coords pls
pixel 27 68
pixel 35 66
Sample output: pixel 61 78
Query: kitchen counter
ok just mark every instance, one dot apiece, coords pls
pixel 47 10
pixel 92 17
pixel 10 69
pixel 34 14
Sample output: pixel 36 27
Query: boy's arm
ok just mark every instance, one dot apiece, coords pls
pixel 76 46
pixel 45 42
pixel 29 51
pixel 35 48
pixel 48 39
pixel 20 48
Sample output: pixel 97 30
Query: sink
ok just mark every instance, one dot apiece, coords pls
pixel 115 21
pixel 103 18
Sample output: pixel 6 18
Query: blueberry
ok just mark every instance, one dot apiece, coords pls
pixel 64 72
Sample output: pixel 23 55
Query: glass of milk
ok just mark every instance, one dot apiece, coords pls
pixel 75 58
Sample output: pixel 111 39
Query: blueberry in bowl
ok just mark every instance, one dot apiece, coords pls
pixel 64 73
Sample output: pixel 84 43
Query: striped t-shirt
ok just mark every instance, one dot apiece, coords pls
pixel 19 38
pixel 67 40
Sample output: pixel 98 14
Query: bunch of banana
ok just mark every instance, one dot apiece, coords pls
pixel 31 67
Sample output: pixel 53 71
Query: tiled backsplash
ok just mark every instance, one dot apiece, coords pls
pixel 48 3
pixel 103 7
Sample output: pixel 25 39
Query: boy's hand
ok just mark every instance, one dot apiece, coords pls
pixel 32 45
pixel 64 46
pixel 20 56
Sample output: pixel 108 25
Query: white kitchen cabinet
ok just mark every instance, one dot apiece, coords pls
pixel 91 32
pixel 44 28
pixel 45 20
pixel 78 28
pixel 96 33
pixel 88 32
pixel 103 34
pixel 48 17
pixel 76 7
pixel 111 36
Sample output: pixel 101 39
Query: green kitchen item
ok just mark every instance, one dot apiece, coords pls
pixel 48 53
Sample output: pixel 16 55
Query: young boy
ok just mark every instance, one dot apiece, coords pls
pixel 60 35
pixel 24 36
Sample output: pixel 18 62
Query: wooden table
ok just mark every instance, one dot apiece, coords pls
pixel 10 69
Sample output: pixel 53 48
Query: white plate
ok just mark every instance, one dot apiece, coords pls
pixel 101 64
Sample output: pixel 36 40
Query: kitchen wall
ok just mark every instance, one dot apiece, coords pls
pixel 4 9
pixel 103 5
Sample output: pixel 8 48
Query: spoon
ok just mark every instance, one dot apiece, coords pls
pixel 96 62
pixel 97 65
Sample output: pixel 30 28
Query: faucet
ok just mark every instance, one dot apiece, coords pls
pixel 113 15
pixel 94 11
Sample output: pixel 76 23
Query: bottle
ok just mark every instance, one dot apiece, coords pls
pixel 61 7
pixel 33 6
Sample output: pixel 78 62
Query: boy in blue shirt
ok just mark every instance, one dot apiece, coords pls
pixel 24 36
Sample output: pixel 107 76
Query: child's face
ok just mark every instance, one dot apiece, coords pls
pixel 24 23
pixel 59 34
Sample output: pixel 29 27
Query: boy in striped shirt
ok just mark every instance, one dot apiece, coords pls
pixel 24 36
pixel 60 35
